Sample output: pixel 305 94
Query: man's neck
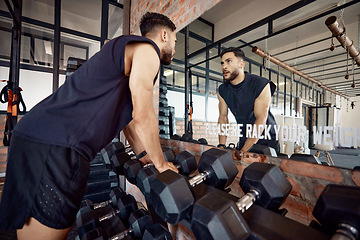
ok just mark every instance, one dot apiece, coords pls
pixel 238 79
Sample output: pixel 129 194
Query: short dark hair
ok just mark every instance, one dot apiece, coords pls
pixel 151 20
pixel 237 52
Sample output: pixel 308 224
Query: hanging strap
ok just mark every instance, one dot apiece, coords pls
pixel 14 99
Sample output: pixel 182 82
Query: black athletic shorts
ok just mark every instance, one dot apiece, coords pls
pixel 43 181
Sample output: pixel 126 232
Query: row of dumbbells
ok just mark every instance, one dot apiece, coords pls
pixel 120 217
pixel 171 194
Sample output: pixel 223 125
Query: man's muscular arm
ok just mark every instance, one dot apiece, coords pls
pixel 144 67
pixel 135 142
pixel 223 117
pixel 261 108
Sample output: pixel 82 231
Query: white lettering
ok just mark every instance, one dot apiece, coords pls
pixel 277 129
pixel 240 130
pixel 248 130
pixel 267 132
pixel 285 131
pixel 327 135
pixel 342 136
pixel 260 130
pixel 255 134
pixel 317 135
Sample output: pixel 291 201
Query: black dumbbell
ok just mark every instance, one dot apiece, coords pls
pixel 108 151
pixel 139 221
pixel 107 228
pixel 171 194
pixel 338 211
pixel 262 149
pixel 115 198
pixel 203 141
pixel 305 158
pixel 184 162
pixel 88 219
pixel 216 215
pixel 156 232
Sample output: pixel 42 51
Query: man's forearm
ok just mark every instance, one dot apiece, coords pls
pixel 133 138
pixel 148 131
pixel 251 141
pixel 222 138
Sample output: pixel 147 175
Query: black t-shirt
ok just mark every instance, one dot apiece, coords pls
pixel 240 99
pixel 90 108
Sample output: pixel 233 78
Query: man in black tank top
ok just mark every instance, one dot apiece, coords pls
pixel 248 97
pixel 52 145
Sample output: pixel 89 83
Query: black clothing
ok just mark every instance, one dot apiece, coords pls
pixel 52 145
pixel 43 181
pixel 92 106
pixel 240 99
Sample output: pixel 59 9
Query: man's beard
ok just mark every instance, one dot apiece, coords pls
pixel 232 76
pixel 166 56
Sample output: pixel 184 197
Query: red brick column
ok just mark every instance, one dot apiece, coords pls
pixel 181 12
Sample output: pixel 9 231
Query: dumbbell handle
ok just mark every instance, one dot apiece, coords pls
pixel 121 235
pixel 247 200
pixel 109 215
pixel 102 204
pixel 345 232
pixel 196 180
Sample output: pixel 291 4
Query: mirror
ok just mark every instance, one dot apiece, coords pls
pixel 298 38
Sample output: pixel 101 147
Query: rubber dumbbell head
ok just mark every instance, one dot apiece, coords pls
pixel 218 217
pixel 261 182
pixel 269 183
pixel 171 194
pixel 220 165
pixel 261 149
pixel 156 232
pixel 184 161
pixel 338 210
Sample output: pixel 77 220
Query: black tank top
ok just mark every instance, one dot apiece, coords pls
pixel 240 99
pixel 90 108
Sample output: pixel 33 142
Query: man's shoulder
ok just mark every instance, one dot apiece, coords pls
pixel 223 86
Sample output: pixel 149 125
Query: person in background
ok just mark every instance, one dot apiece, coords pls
pixel 248 97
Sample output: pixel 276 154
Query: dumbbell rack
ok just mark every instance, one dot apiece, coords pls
pixel 101 180
pixel 164 109
pixel 264 224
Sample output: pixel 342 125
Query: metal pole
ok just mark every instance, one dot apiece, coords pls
pixel 15 44
pixel 207 82
pixel 187 105
pixel 104 21
pixel 56 57
pixel 14 73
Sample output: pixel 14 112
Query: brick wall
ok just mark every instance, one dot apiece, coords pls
pixel 308 180
pixel 181 12
pixel 199 131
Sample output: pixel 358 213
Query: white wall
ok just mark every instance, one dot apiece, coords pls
pixel 350 117
pixel 35 85
pixel 177 100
